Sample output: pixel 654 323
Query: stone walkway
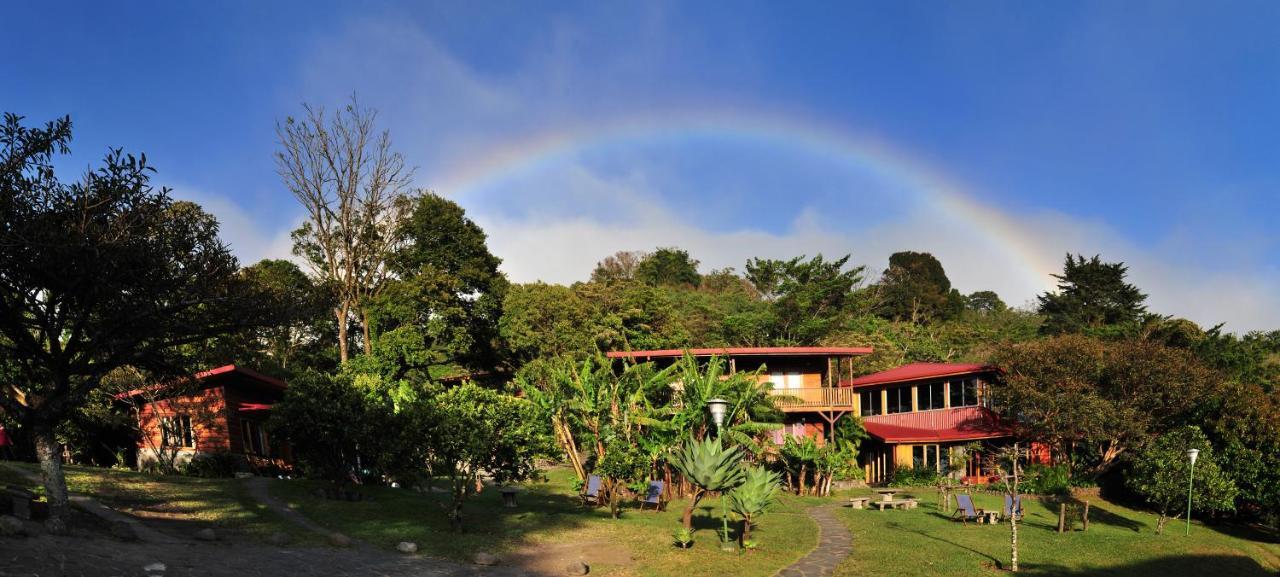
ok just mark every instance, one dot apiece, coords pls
pixel 834 544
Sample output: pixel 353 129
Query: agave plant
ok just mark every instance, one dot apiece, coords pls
pixel 749 500
pixel 709 467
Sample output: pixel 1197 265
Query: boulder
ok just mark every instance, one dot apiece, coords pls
pixel 155 568
pixel 124 532
pixel 206 535
pixel 407 547
pixel 577 568
pixel 279 539
pixel 485 558
pixel 339 540
pixel 11 526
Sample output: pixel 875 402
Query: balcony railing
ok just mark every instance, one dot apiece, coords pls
pixel 814 397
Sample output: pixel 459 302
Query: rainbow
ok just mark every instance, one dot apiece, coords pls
pixel 931 190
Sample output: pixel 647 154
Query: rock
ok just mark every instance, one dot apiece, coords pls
pixel 339 540
pixel 206 535
pixel 279 539
pixel 407 547
pixel 154 568
pixel 11 526
pixel 485 558
pixel 577 568
pixel 124 532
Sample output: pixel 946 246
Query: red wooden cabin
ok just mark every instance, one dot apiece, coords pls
pixel 219 411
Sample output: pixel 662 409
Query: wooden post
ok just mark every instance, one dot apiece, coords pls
pixel 1085 518
pixel 1062 518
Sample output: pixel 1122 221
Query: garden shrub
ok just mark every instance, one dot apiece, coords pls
pixel 1046 480
pixel 214 465
pixel 909 477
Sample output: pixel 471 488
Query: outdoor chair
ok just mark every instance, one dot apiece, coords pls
pixel 965 509
pixel 592 494
pixel 653 496
pixel 1012 507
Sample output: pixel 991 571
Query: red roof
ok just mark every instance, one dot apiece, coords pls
pixel 744 352
pixel 961 424
pixel 270 382
pixel 917 372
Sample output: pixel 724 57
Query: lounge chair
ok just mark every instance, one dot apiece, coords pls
pixel 653 496
pixel 592 495
pixel 1012 507
pixel 965 509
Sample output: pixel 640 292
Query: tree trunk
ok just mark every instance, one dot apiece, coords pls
pixel 745 535
pixel 800 490
pixel 688 509
pixel 343 352
pixel 365 331
pixel 1013 543
pixel 55 483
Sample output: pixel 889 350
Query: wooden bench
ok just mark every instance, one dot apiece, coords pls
pixel 20 501
pixel 859 502
pixel 896 504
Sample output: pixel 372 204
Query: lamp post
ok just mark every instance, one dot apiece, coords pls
pixel 1191 481
pixel 718 407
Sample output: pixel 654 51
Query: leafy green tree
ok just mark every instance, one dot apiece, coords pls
pixel 750 500
pixel 622 464
pixel 668 267
pixel 1091 295
pixel 446 298
pixel 1093 401
pixel 916 288
pixel 1161 473
pixel 808 297
pixel 541 321
pixel 103 273
pixel 985 302
pixel 709 466
pixel 325 420
pixel 475 431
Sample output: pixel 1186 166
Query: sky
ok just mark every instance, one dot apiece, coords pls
pixel 998 136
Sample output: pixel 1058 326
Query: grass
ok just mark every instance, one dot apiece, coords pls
pixel 551 515
pixel 175 503
pixel 1120 542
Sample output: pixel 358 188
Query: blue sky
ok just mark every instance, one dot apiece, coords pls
pixel 1143 131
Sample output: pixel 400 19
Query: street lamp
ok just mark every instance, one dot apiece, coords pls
pixel 1191 480
pixel 718 407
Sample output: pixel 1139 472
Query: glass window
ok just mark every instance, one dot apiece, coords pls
pixel 964 393
pixel 176 431
pixel 930 396
pixel 870 402
pixel 944 460
pixel 900 400
pixel 917 457
pixel 931 456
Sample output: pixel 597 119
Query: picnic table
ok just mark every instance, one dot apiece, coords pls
pixel 887 493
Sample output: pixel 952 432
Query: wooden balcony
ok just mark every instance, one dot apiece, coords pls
pixel 815 399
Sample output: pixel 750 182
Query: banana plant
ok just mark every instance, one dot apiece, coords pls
pixel 756 494
pixel 709 467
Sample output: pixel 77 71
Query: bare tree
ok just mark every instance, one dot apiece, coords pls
pixel 355 189
pixel 1007 462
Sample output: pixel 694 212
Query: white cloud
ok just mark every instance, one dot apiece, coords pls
pixel 251 237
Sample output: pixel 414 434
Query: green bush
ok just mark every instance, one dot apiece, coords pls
pixel 1046 480
pixel 909 477
pixel 214 465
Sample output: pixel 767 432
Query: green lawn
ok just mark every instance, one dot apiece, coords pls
pixel 550 514
pixel 174 503
pixel 1119 542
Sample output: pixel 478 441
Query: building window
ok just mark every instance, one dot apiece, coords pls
pixel 870 401
pixel 791 380
pixel 175 431
pixel 929 457
pixel 900 400
pixel 964 393
pixel 254 438
pixel 931 396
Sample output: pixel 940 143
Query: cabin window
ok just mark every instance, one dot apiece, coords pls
pixel 900 400
pixel 964 393
pixel 253 437
pixel 792 380
pixel 926 457
pixel 870 403
pixel 176 431
pixel 931 396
